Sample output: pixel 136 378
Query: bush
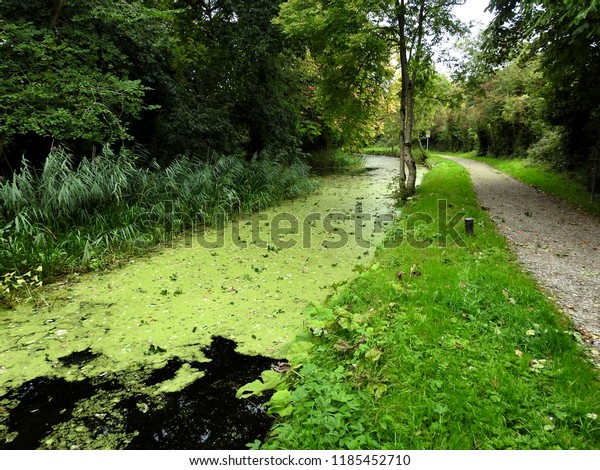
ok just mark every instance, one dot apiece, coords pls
pixel 549 149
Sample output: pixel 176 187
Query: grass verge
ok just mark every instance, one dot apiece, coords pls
pixel 337 160
pixel 419 155
pixel 542 177
pixel 438 345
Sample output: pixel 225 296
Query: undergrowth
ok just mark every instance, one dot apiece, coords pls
pixel 70 216
pixel 388 151
pixel 438 344
pixel 335 159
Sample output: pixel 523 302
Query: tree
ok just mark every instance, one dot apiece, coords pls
pixel 416 27
pixel 348 56
pixel 566 35
pixel 352 40
pixel 69 72
pixel 244 90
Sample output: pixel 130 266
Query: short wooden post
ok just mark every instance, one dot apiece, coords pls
pixel 469 228
pixel 594 179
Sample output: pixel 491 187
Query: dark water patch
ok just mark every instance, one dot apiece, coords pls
pixel 78 358
pixel 43 403
pixel 205 414
pixel 167 372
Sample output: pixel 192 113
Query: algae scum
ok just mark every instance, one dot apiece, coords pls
pixel 150 356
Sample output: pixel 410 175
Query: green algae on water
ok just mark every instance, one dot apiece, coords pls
pixel 248 281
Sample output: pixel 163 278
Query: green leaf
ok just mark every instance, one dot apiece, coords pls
pixel 270 381
pixel 373 354
pixel 280 403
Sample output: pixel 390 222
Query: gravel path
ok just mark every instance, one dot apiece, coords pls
pixel 557 243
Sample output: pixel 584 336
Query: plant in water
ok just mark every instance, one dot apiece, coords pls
pixel 14 285
pixel 74 212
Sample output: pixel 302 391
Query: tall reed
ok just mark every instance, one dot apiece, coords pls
pixel 68 214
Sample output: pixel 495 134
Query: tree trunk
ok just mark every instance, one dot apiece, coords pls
pixel 407 97
pixel 404 152
pixel 423 152
pixel 411 181
pixel 57 12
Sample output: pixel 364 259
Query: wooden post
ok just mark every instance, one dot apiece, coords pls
pixel 594 179
pixel 469 228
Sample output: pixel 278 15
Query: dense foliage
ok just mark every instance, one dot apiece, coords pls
pixel 172 76
pixel 108 108
pixel 529 85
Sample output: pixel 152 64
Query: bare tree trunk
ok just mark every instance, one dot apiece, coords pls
pixel 411 165
pixel 407 96
pixel 423 153
pixel 404 152
pixel 59 9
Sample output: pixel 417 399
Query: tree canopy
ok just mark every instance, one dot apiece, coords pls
pixel 566 38
pixel 174 76
pixel 352 42
pixel 274 78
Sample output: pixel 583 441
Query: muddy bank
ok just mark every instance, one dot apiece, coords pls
pixel 248 281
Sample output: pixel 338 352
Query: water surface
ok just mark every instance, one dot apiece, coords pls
pixel 248 282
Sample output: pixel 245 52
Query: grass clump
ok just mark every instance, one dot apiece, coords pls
pixel 71 216
pixel 440 344
pixel 387 151
pixel 331 159
pixel 419 154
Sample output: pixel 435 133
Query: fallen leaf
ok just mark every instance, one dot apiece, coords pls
pixel 518 352
pixel 281 367
pixel 343 345
pixel 414 272
pixel 536 365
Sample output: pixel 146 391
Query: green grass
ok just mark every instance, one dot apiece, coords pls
pixel 394 152
pixel 439 346
pixel 389 151
pixel 542 177
pixel 335 159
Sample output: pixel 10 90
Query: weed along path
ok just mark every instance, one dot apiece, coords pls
pixel 558 244
pixel 139 357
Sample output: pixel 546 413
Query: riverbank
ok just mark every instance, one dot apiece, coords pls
pixel 443 343
pixel 555 242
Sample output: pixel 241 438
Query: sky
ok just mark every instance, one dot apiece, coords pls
pixel 473 10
